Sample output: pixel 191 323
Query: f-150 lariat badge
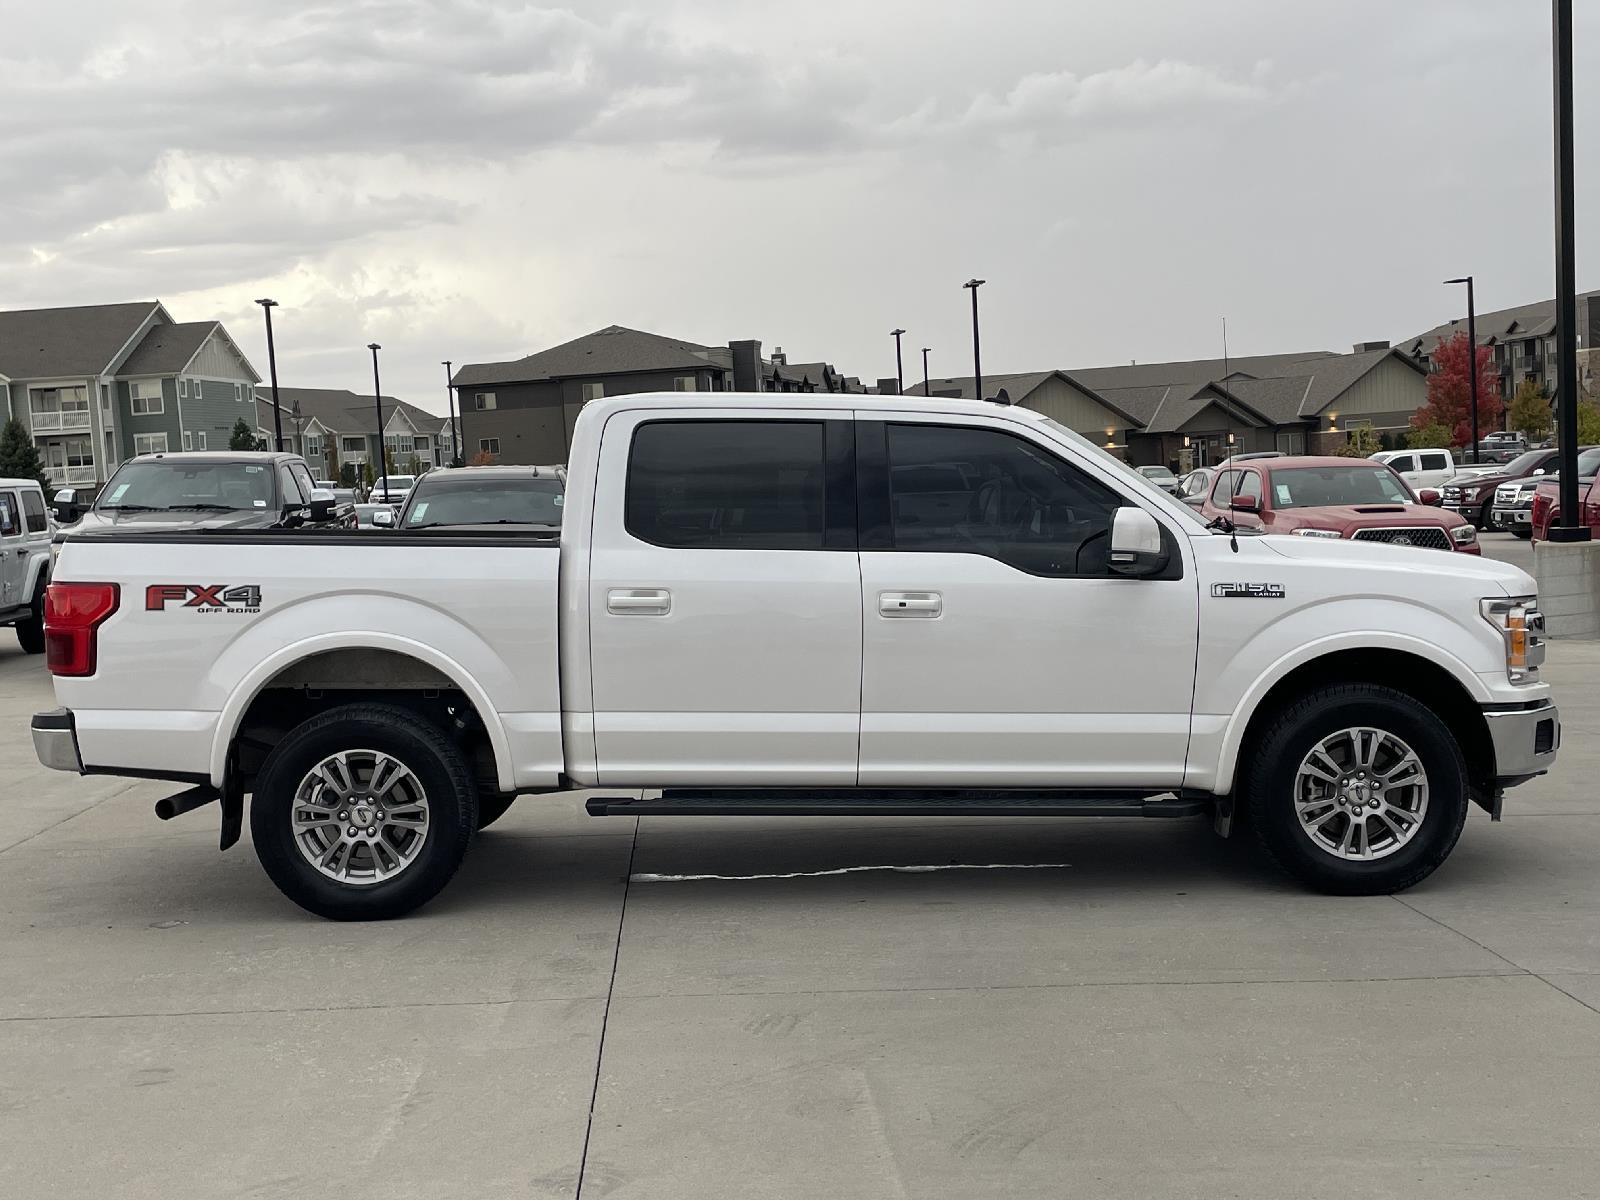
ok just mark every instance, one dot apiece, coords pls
pixel 1248 591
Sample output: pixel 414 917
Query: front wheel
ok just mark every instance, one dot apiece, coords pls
pixel 363 812
pixel 1356 789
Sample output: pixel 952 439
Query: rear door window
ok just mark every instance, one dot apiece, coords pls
pixel 728 485
pixel 1403 463
pixel 1434 462
pixel 33 511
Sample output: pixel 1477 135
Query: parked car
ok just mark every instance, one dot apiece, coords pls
pixel 1544 509
pixel 1501 447
pixel 375 516
pixel 1351 498
pixel 1420 468
pixel 24 560
pixel 1516 505
pixel 1196 485
pixel 1161 477
pixel 218 489
pixel 394 490
pixel 1473 494
pixel 484 497
pixel 738 611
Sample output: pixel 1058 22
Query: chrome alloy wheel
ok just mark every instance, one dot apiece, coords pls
pixel 1361 794
pixel 360 817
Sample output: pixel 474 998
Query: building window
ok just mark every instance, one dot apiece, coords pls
pixel 105 398
pixel 199 441
pixel 183 389
pixel 58 408
pixel 238 391
pixel 313 447
pixel 483 401
pixel 145 398
pixel 188 440
pixel 353 445
pixel 419 445
pixel 593 391
pixel 684 383
pixel 488 445
pixel 149 443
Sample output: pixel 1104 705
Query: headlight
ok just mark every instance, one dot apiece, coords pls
pixel 1521 624
pixel 1471 493
pixel 1328 533
pixel 1463 535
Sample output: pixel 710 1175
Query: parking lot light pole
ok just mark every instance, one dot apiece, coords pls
pixel 926 390
pixel 899 366
pixel 977 358
pixel 1572 527
pixel 1472 359
pixel 272 371
pixel 377 406
pixel 450 396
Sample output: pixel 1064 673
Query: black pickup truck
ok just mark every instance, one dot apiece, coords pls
pixel 218 489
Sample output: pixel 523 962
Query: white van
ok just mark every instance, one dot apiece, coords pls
pixel 24 560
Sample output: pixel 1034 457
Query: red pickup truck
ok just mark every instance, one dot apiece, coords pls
pixel 1547 500
pixel 1335 498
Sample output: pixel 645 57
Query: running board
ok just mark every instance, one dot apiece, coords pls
pixel 897 802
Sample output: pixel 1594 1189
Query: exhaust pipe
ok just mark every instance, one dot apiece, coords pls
pixel 196 797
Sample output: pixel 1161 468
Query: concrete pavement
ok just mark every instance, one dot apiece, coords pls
pixel 1159 1016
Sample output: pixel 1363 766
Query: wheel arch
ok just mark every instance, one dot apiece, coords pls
pixel 1428 674
pixel 282 663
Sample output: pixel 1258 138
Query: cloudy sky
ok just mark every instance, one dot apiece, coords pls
pixel 477 179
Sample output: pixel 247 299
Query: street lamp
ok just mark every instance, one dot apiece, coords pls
pixel 450 395
pixel 1472 359
pixel 899 367
pixel 377 406
pixel 977 358
pixel 926 390
pixel 1572 527
pixel 272 370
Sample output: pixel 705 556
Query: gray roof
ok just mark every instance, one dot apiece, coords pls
pixel 1278 400
pixel 51 343
pixel 341 410
pixel 1532 320
pixel 167 349
pixel 1199 370
pixel 1018 385
pixel 1167 408
pixel 612 350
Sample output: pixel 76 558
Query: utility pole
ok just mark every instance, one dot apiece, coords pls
pixel 1472 359
pixel 977 356
pixel 1571 528
pixel 899 367
pixel 450 395
pixel 926 390
pixel 377 406
pixel 272 370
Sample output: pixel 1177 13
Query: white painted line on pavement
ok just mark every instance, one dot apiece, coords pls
pixel 652 877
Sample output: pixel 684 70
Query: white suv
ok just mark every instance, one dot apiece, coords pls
pixel 24 560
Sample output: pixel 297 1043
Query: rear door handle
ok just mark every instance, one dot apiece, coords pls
pixel 639 602
pixel 910 604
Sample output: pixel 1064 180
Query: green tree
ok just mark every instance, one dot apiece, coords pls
pixel 242 437
pixel 1362 442
pixel 413 465
pixel 1530 412
pixel 349 477
pixel 367 475
pixel 1428 437
pixel 19 457
pixel 1588 422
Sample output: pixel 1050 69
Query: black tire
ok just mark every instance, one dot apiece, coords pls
pixel 431 757
pixel 30 630
pixel 1267 782
pixel 492 808
pixel 1522 531
pixel 1486 515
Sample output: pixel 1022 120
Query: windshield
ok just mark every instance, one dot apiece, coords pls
pixel 1523 464
pixel 506 500
pixel 1156 473
pixel 159 485
pixel 400 483
pixel 1313 487
pixel 1167 503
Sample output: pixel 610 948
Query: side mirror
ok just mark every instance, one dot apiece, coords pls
pixel 383 518
pixel 322 504
pixel 65 503
pixel 1430 496
pixel 1249 504
pixel 1136 549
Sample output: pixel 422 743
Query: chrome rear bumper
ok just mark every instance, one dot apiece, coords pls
pixel 55 740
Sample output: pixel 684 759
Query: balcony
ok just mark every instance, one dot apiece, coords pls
pixel 59 420
pixel 70 476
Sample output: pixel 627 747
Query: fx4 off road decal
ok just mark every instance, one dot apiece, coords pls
pixel 1247 591
pixel 203 597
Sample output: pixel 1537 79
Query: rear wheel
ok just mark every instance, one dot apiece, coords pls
pixel 30 630
pixel 1356 789
pixel 363 812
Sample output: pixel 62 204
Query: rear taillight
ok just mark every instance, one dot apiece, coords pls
pixel 73 613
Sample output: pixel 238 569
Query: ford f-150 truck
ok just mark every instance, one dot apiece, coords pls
pixel 765 604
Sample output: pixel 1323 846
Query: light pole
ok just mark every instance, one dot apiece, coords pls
pixel 1571 528
pixel 450 395
pixel 899 367
pixel 377 406
pixel 926 390
pixel 1472 360
pixel 977 357
pixel 272 370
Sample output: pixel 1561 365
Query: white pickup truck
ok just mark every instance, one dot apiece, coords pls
pixel 797 605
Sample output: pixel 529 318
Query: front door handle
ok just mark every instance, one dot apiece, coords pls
pixel 639 602
pixel 910 604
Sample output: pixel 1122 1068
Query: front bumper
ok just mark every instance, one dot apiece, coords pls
pixel 1510 518
pixel 1525 740
pixel 55 740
